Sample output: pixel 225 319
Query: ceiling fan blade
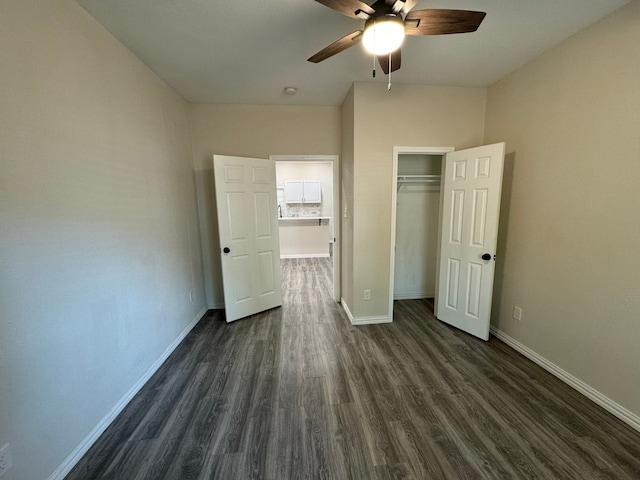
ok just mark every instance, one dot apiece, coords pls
pixel 350 8
pixel 442 22
pixel 336 47
pixel 396 59
pixel 403 6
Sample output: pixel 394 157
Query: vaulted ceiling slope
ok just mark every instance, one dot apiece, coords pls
pixel 247 51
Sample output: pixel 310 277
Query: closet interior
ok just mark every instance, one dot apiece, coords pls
pixel 417 220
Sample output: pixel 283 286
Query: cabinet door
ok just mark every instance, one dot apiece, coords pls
pixel 312 192
pixel 293 192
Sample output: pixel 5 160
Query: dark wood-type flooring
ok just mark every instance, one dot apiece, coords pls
pixel 298 392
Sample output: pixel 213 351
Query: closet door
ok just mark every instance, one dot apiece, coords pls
pixel 471 186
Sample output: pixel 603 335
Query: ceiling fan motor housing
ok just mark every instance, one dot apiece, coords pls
pixel 384 17
pixel 381 9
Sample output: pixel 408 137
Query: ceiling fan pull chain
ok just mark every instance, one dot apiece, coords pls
pixel 389 84
pixel 374 66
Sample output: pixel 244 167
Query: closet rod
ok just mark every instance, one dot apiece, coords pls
pixel 426 179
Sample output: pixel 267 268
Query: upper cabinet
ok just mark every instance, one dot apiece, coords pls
pixel 293 192
pixel 312 192
pixel 303 192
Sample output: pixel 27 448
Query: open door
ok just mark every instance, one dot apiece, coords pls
pixel 471 188
pixel 248 228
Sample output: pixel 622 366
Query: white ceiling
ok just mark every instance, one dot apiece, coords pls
pixel 247 51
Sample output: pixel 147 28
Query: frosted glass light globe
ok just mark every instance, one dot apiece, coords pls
pixel 383 36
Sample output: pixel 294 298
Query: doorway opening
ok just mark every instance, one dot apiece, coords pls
pixel 415 222
pixel 308 211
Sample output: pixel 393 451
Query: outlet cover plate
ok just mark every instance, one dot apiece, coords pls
pixel 517 313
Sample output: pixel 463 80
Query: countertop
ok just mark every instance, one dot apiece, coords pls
pixel 303 218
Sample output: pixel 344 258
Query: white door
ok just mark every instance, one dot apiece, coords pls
pixel 248 227
pixel 471 187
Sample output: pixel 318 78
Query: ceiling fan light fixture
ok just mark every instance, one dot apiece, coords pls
pixel 383 35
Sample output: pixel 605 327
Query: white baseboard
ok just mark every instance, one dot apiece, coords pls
pixel 306 255
pixel 363 320
pixel 370 320
pixel 75 456
pixel 346 309
pixel 413 296
pixel 216 306
pixel 605 402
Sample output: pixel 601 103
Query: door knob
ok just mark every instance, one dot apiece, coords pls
pixel 226 249
pixel 486 256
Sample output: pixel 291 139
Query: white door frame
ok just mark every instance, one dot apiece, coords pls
pixel 397 151
pixel 335 221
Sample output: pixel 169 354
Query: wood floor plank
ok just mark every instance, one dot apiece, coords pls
pixel 298 392
pixel 424 459
pixel 350 436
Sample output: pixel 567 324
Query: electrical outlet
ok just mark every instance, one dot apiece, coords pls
pixel 367 294
pixel 5 460
pixel 517 313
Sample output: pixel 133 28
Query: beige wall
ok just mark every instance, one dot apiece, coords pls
pixel 406 116
pixel 99 242
pixel 570 228
pixel 250 131
pixel 417 222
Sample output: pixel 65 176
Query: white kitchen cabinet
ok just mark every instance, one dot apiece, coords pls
pixel 312 192
pixel 303 192
pixel 293 192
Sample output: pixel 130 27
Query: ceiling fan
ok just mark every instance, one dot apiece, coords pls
pixel 385 27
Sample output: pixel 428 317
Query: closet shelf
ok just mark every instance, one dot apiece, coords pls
pixel 419 178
